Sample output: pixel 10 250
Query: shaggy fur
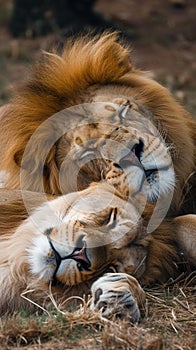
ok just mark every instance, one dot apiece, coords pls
pixel 149 258
pixel 90 70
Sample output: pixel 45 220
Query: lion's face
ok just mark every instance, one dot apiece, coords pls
pixel 81 234
pixel 125 149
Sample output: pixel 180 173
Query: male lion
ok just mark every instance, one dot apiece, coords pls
pixel 83 117
pixel 92 70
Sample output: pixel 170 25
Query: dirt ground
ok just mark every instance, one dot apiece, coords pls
pixel 162 35
pixel 163 40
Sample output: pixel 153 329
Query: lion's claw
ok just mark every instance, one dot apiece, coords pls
pixel 112 296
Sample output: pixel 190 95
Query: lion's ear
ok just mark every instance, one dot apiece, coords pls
pixel 24 163
pixel 18 157
pixel 20 161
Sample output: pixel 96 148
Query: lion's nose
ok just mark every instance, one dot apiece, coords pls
pixel 138 149
pixel 133 157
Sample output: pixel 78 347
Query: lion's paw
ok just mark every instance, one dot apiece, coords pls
pixel 114 294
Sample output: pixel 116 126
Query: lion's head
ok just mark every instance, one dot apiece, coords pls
pixel 105 141
pixel 156 135
pixel 78 236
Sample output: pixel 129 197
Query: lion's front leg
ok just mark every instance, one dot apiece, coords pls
pixel 118 294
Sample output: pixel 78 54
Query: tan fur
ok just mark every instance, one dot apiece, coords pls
pixel 149 258
pixel 89 70
pixel 186 236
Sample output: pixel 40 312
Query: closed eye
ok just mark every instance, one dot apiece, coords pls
pixel 101 219
pixel 111 219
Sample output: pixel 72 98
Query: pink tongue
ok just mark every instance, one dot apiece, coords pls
pixel 80 255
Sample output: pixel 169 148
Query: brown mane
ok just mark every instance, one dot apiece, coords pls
pixel 86 67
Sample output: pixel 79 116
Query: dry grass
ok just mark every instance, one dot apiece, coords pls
pixel 169 323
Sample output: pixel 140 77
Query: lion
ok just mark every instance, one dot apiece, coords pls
pixel 86 120
pixel 70 244
pixel 91 70
pixel 88 241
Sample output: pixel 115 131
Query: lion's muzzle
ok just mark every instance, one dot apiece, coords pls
pixel 79 254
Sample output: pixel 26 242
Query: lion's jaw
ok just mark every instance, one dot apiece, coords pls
pixel 87 237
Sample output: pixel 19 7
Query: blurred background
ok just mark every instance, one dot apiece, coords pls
pixel 161 34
